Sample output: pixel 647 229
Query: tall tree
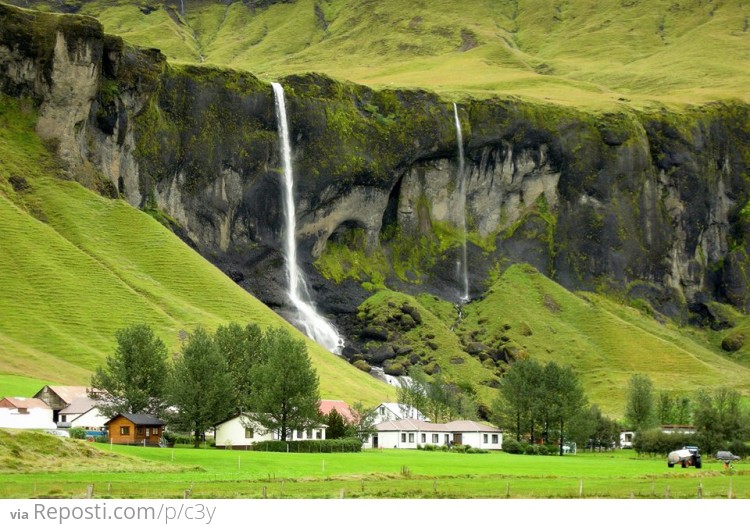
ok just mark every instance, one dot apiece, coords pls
pixel 564 398
pixel 200 386
pixel 519 398
pixel 286 386
pixel 134 377
pixel 241 349
pixel 640 403
pixel 336 425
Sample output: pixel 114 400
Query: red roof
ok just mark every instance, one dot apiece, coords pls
pixel 326 405
pixel 22 402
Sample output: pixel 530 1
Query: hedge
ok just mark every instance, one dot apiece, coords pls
pixel 313 445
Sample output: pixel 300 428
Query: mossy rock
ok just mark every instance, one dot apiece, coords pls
pixel 457 360
pixel 525 330
pixel 733 342
pixel 362 365
pixel 476 348
pixel 380 354
pixel 393 368
pixel 376 333
pixel 432 368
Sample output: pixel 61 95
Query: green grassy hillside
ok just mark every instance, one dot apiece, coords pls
pixel 76 267
pixel 604 341
pixel 587 52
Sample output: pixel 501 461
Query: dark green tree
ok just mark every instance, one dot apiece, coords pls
pixel 719 418
pixel 199 387
pixel 336 425
pixel 639 411
pixel 520 398
pixel 134 377
pixel 666 409
pixel 285 384
pixel 241 349
pixel 564 399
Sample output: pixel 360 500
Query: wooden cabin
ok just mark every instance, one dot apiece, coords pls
pixel 135 429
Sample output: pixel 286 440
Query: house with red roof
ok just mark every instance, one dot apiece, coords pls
pixel 26 413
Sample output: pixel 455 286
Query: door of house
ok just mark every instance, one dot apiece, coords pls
pixel 375 441
pixel 457 438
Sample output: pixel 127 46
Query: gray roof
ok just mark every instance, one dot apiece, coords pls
pixel 414 425
pixel 80 405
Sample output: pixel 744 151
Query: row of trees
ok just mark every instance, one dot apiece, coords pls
pixel 266 375
pixel 720 417
pixel 546 402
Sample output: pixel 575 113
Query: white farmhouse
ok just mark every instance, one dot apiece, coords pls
pixel 82 413
pixel 395 411
pixel 25 412
pixel 408 433
pixel 233 433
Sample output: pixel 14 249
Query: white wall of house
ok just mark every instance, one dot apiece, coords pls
pixel 409 439
pixel 91 420
pixel 483 440
pixel 30 418
pixel 233 433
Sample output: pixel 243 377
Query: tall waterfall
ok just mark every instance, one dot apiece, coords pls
pixel 315 325
pixel 463 269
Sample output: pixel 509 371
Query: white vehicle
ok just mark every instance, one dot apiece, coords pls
pixel 685 457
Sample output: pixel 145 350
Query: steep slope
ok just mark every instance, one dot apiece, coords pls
pixel 605 341
pixel 586 52
pixel 76 267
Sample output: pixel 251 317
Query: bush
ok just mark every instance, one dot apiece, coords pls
pixel 654 441
pixel 553 450
pixel 738 447
pixel 77 433
pixel 511 446
pixel 311 445
pixel 477 451
pixel 101 439
pixel 430 448
pixel 532 450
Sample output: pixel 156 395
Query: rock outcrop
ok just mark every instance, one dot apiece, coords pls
pixel 652 205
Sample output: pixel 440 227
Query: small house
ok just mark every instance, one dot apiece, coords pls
pixel 25 412
pixel 409 433
pixel 135 429
pixel 82 413
pixel 235 433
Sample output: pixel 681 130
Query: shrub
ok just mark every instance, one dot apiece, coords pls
pixel 311 445
pixel 511 446
pixel 101 439
pixel 738 447
pixel 654 441
pixel 430 448
pixel 77 433
pixel 477 451
pixel 553 450
pixel 532 450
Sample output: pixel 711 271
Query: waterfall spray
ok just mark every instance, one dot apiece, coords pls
pixel 463 269
pixel 315 325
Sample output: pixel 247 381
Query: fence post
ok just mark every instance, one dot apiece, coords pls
pixel 264 492
pixel 700 490
pixel 730 489
pixel 666 493
pixel 507 490
pixel 90 491
pixel 580 488
pixel 341 494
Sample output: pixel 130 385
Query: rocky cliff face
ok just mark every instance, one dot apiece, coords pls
pixel 651 206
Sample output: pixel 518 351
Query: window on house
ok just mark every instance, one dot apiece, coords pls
pixel 249 434
pixel 411 437
pixel 148 432
pixel 494 439
pixel 403 438
pixel 424 438
pixel 156 431
pixel 446 438
pixel 139 431
pixel 485 438
pixel 62 419
pixel 318 434
pixel 436 438
pixel 299 434
pixel 124 431
pixel 382 411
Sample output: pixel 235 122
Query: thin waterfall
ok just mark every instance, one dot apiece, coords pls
pixel 182 7
pixel 463 269
pixel 315 325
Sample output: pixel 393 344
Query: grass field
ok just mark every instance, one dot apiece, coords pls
pixel 76 267
pixel 167 473
pixel 592 53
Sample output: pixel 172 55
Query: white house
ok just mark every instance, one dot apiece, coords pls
pixel 394 411
pixel 233 433
pixel 82 413
pixel 25 412
pixel 408 433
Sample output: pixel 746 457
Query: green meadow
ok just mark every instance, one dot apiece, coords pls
pixel 591 53
pixel 118 472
